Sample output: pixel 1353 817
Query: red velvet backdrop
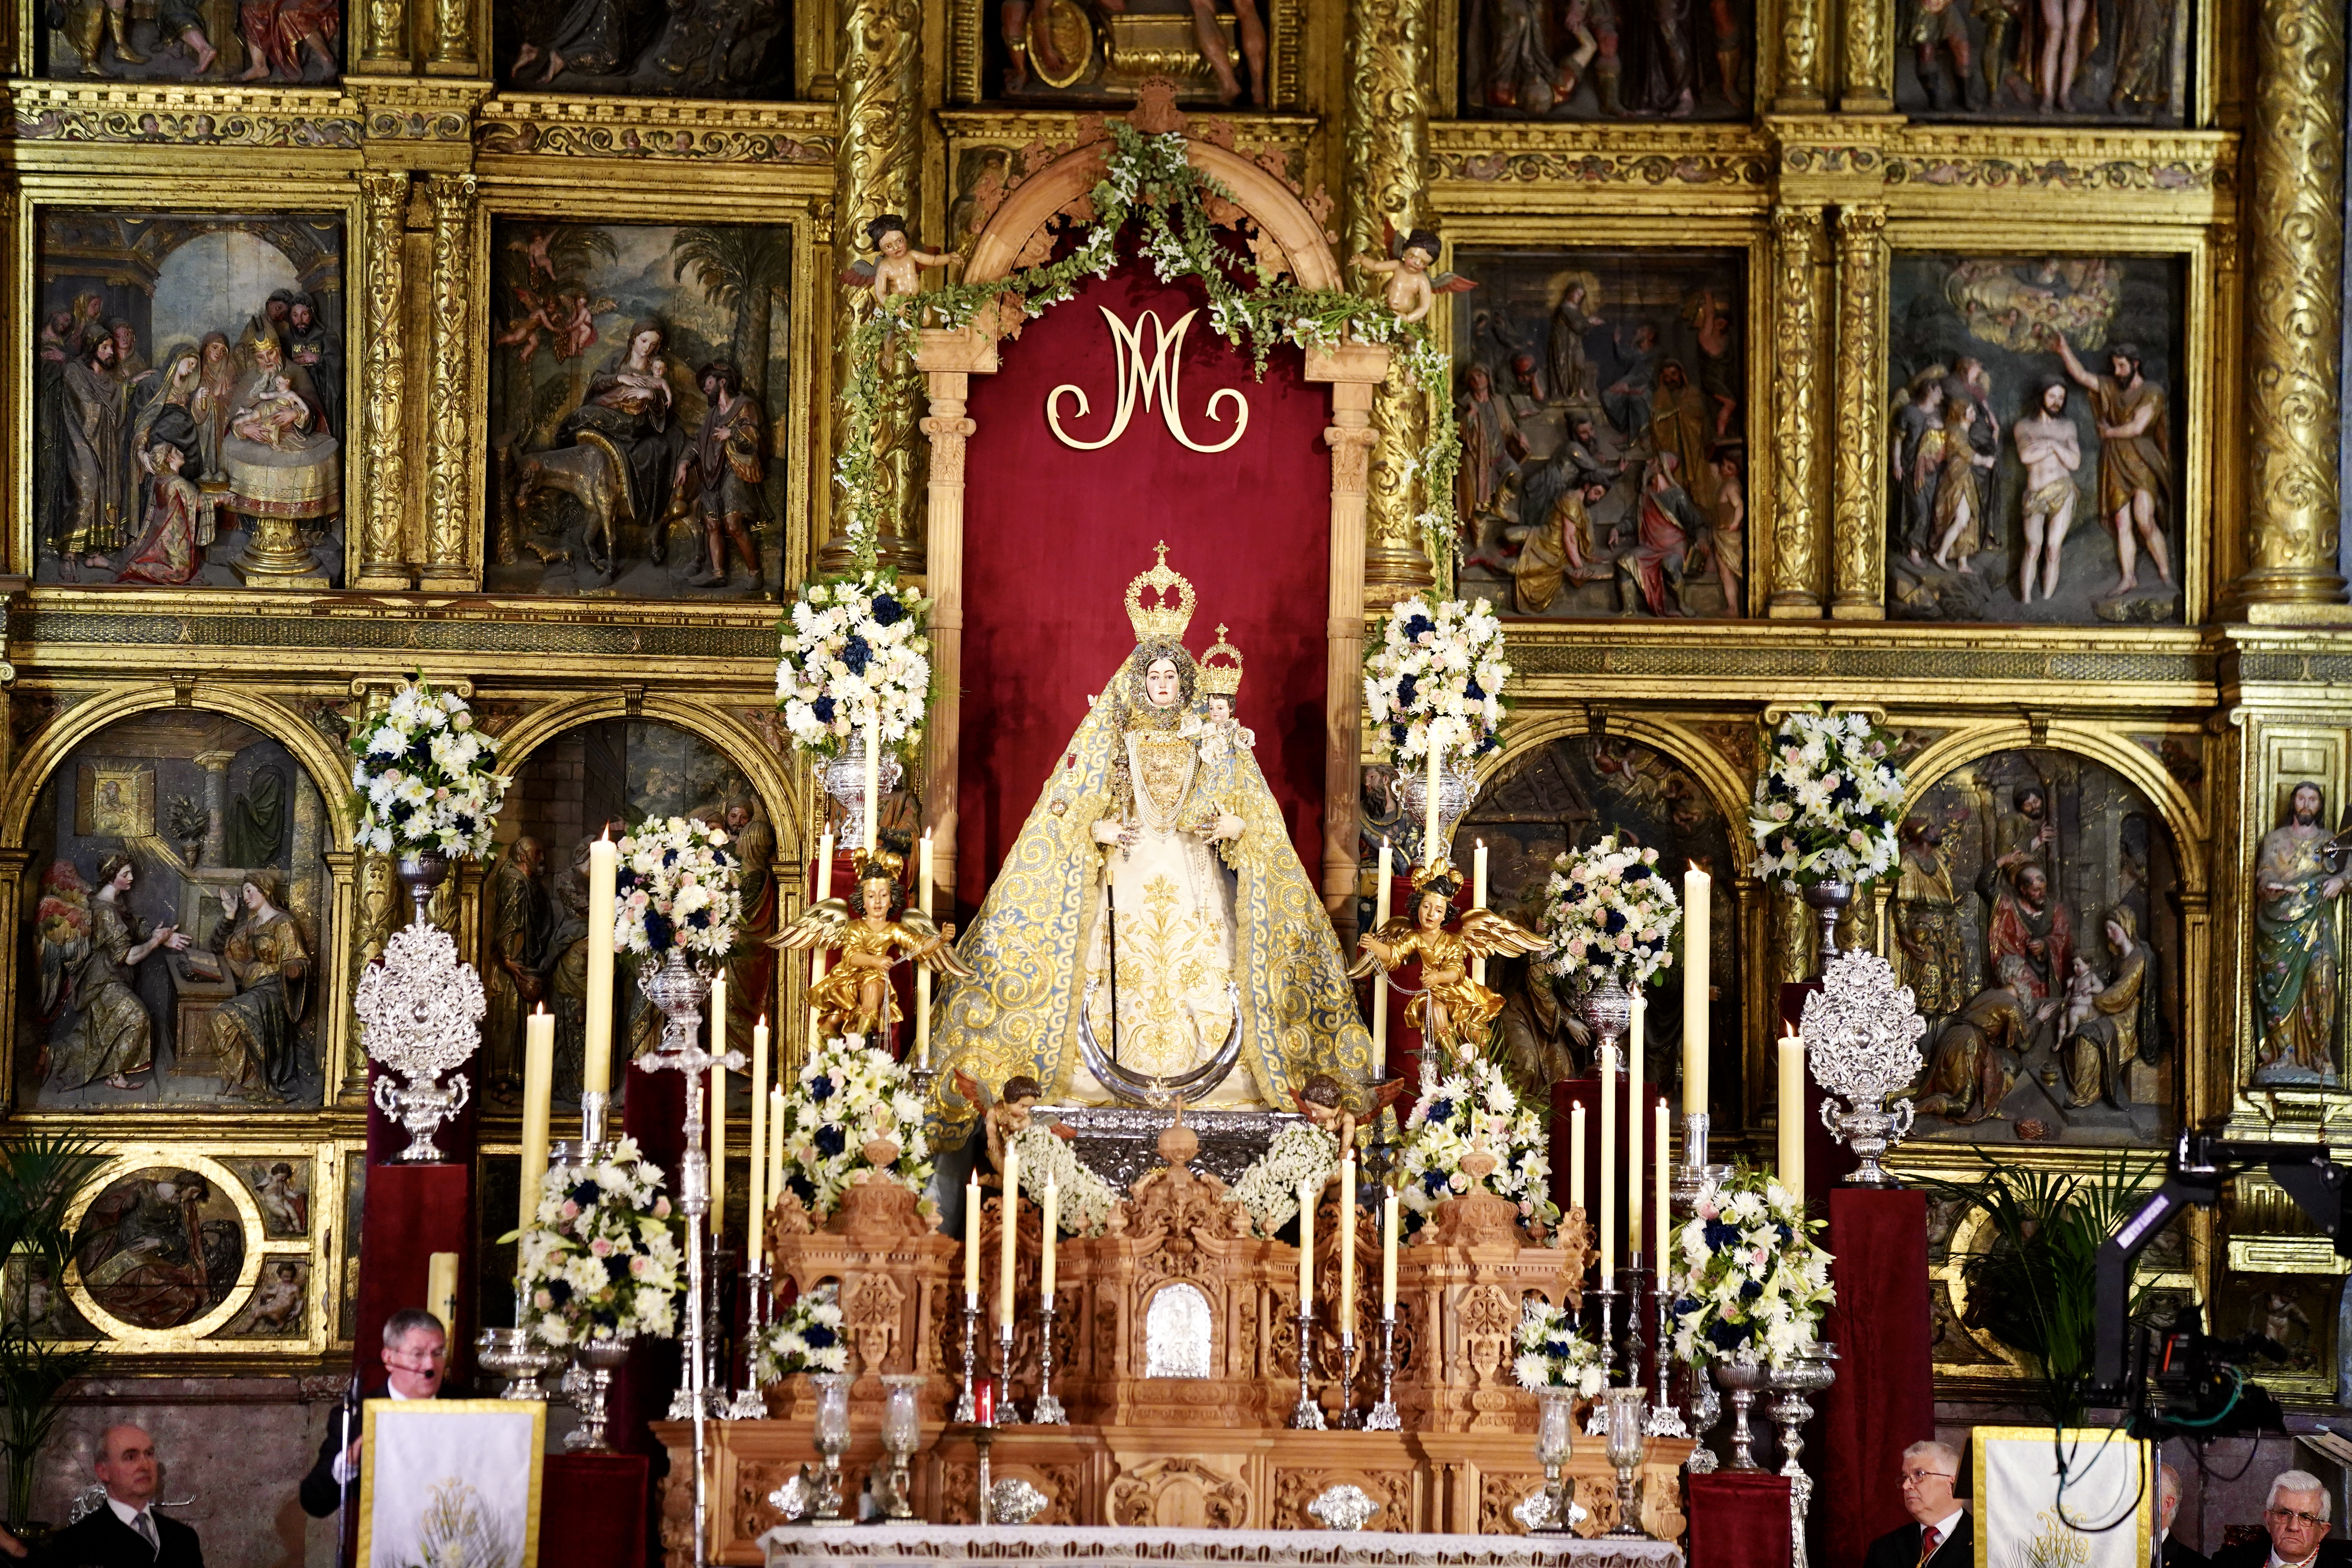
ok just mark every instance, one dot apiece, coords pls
pixel 1742 1522
pixel 1883 1398
pixel 407 1213
pixel 1053 535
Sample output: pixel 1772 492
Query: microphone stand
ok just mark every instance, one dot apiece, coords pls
pixel 345 1542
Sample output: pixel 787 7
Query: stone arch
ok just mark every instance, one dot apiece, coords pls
pixel 1726 790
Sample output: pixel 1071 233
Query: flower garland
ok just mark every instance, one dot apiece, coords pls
pixel 1828 802
pixel 600 1258
pixel 1477 1106
pixel 1435 679
pixel 1554 1354
pixel 851 646
pixel 848 1095
pixel 1268 1190
pixel 424 778
pixel 1607 911
pixel 1749 1282
pixel 805 1337
pixel 1149 181
pixel 676 889
pixel 1085 1199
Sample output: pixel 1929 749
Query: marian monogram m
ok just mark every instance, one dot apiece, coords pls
pixel 1148 378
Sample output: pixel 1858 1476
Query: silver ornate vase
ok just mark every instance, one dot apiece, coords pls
pixel 590 1386
pixel 1828 900
pixel 1742 1381
pixel 1607 1011
pixel 1455 791
pixel 421 872
pixel 844 780
pixel 521 1360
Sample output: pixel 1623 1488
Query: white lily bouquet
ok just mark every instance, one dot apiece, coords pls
pixel 1608 911
pixel 806 1337
pixel 1477 1108
pixel 426 777
pixel 1749 1281
pixel 1435 679
pixel 600 1258
pixel 1829 801
pixel 1551 1352
pixel 851 646
pixel 848 1096
pixel 1084 1199
pixel 1268 1190
pixel 676 888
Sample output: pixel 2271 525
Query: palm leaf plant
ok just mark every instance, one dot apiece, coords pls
pixel 40 1177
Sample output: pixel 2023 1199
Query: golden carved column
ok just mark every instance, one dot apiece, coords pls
pixel 2294 243
pixel 1388 151
pixel 1866 50
pixel 876 170
pixel 949 361
pixel 1858 526
pixel 449 515
pixel 453 39
pixel 386 51
pixel 1799 91
pixel 1796 593
pixel 1355 371
pixel 383 389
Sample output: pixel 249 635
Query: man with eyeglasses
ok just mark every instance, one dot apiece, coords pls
pixel 2171 1552
pixel 416 1358
pixel 2294 1525
pixel 1943 1535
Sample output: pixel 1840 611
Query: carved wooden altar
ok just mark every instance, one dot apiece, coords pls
pixel 892 1265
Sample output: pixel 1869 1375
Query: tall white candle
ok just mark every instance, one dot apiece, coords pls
pixel 717 1150
pixel 971 1241
pixel 1608 1166
pixel 538 1098
pixel 1698 910
pixel 1636 1112
pixel 1388 1252
pixel 596 1050
pixel 923 977
pixel 1307 1245
pixel 1347 1213
pixel 1792 1114
pixel 873 776
pixel 1007 1253
pixel 824 891
pixel 756 1243
pixel 1662 1203
pixel 1053 1218
pixel 1576 1159
pixel 1382 898
pixel 1478 901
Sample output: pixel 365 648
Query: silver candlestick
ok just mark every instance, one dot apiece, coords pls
pixel 1007 1413
pixel 1350 1418
pixel 749 1403
pixel 1305 1415
pixel 1048 1411
pixel 1383 1416
pixel 1812 1370
pixel 1634 1277
pixel 1605 1299
pixel 967 1407
pixel 1705 1410
pixel 1666 1421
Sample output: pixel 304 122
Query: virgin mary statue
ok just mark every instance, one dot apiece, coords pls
pixel 1153 893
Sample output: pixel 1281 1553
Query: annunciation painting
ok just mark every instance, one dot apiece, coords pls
pixel 1608 60
pixel 188 400
pixel 2060 62
pixel 235 41
pixel 2035 918
pixel 1571 794
pixel 1099 51
pixel 637 382
pixel 178 924
pixel 2036 436
pixel 1603 409
pixel 535 897
pixel 646 48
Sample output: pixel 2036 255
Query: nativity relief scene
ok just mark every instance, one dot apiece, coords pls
pixel 1186 774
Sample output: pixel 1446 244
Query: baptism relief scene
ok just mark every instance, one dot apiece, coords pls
pixel 2035 440
pixel 638 375
pixel 2080 62
pixel 2034 917
pixel 1607 59
pixel 178 922
pixel 188 391
pixel 1602 403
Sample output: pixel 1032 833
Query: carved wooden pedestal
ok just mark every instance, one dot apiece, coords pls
pixel 893 1267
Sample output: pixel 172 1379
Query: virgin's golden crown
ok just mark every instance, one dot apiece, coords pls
pixel 1166 621
pixel 1221 667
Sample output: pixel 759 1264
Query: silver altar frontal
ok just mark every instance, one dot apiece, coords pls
pixel 801 1546
pixel 1119 1142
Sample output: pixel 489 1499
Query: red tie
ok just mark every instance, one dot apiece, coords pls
pixel 1929 1542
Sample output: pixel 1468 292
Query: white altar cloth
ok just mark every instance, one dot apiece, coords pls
pixel 1109 1546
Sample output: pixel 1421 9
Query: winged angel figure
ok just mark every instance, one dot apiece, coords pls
pixel 856 997
pixel 1453 1012
pixel 1413 288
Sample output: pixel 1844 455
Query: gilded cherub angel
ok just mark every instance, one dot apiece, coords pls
pixel 1327 1102
pixel 854 997
pixel 1004 1117
pixel 1453 1012
pixel 1413 288
pixel 898 266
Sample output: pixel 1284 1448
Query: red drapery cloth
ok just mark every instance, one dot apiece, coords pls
pixel 1883 1398
pixel 1053 535
pixel 1586 1091
pixel 410 1213
pixel 1742 1522
pixel 592 1511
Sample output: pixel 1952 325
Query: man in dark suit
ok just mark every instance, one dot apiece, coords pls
pixel 2294 1525
pixel 2172 1552
pixel 1944 1536
pixel 415 1357
pixel 127 1533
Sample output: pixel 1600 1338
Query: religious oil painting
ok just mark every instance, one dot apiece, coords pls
pixel 2049 62
pixel 1608 60
pixel 158 1248
pixel 1569 794
pixel 218 42
pixel 171 955
pixel 638 385
pixel 2034 916
pixel 2037 428
pixel 1100 51
pixel 572 788
pixel 1602 402
pixel 189 409
pixel 646 48
pixel 451 1480
pixel 278 1308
